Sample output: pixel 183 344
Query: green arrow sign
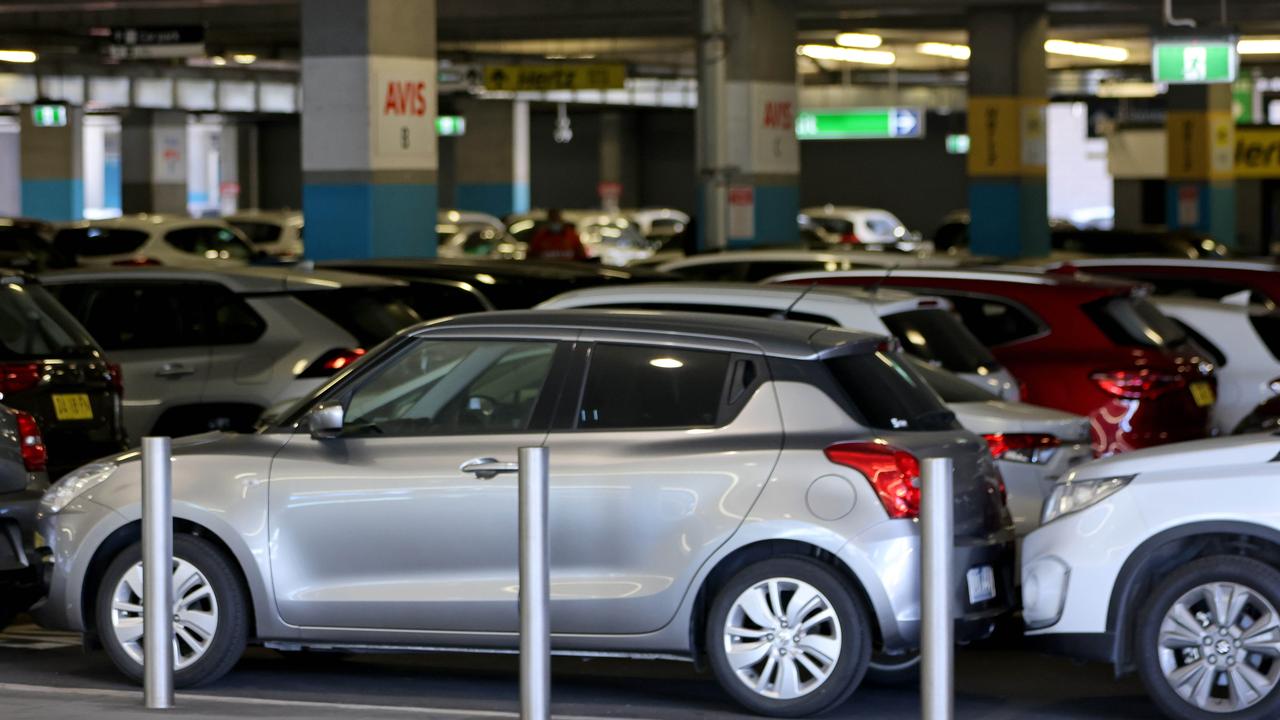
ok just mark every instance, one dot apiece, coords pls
pixel 860 124
pixel 1203 60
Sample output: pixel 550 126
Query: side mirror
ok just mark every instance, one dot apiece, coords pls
pixel 325 421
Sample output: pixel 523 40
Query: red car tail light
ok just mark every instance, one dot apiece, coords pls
pixel 16 377
pixel 34 454
pixel 850 239
pixel 331 362
pixel 1022 447
pixel 894 473
pixel 1134 384
pixel 138 261
pixel 116 377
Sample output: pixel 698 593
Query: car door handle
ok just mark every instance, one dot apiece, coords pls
pixel 487 468
pixel 174 370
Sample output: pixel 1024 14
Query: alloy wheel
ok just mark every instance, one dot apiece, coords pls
pixel 782 638
pixel 195 613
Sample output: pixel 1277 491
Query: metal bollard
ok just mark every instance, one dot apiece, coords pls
pixel 937 647
pixel 157 573
pixel 535 586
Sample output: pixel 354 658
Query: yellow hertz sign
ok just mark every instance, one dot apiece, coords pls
pixel 1257 153
pixel 515 78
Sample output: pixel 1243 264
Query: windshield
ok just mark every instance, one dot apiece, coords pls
pixel 259 233
pixel 34 326
pixel 371 315
pixel 940 337
pixel 1133 321
pixel 888 393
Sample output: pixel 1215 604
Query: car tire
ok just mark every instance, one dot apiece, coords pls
pixel 894 670
pixel 1204 652
pixel 771 671
pixel 209 595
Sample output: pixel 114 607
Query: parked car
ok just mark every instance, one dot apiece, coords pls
pixel 52 369
pixel 1090 347
pixel 1068 242
pixel 23 481
pixel 759 265
pixel 278 233
pixel 657 223
pixel 609 237
pixel 27 244
pixel 501 284
pixel 853 225
pixel 211 349
pixel 925 326
pixel 154 240
pixel 1165 562
pixel 1238 281
pixel 462 234
pixel 681 523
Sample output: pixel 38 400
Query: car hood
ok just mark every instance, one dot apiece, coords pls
pixel 998 416
pixel 1212 454
pixel 216 443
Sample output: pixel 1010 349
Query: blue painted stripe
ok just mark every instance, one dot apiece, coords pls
pixel 362 220
pixel 500 199
pixel 1008 218
pixel 55 200
pixel 111 183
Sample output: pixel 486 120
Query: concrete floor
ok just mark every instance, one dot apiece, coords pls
pixel 45 675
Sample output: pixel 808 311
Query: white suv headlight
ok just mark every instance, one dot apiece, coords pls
pixel 75 484
pixel 1076 495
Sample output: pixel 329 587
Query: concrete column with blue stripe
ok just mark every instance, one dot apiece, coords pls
pixel 153 161
pixel 1200 137
pixel 761 103
pixel 50 162
pixel 1008 83
pixel 369 155
pixel 492 157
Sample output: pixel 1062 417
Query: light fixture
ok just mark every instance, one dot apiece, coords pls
pixel 668 363
pixel 18 56
pixel 1093 51
pixel 859 40
pixel 849 55
pixel 1258 46
pixel 218 60
pixel 244 58
pixel 947 50
pixel 1128 89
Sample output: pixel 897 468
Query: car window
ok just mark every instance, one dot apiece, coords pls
pixel 1131 321
pixel 99 241
pixel 144 316
pixel 938 336
pixel 34 326
pixel 641 387
pixel 950 388
pixel 209 241
pixel 431 300
pixel 233 322
pixel 1268 328
pixel 881 226
pixel 888 393
pixel 452 387
pixel 370 315
pixel 835 226
pixel 259 233
pixel 994 322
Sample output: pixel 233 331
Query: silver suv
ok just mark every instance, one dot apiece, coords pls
pixel 736 488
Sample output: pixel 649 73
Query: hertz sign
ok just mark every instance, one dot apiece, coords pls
pixel 1257 153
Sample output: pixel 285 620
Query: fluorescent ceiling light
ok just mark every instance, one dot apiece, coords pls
pixel 1129 89
pixel 859 40
pixel 849 55
pixel 941 49
pixel 244 58
pixel 18 56
pixel 1258 46
pixel 1092 51
pixel 218 60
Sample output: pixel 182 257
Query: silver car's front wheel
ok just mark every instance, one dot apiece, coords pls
pixel 787 637
pixel 195 613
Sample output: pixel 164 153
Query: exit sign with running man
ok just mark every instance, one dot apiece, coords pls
pixel 1194 60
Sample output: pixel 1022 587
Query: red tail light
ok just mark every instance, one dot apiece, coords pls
pixel 34 454
pixel 1134 384
pixel 331 362
pixel 1022 447
pixel 894 473
pixel 138 261
pixel 850 239
pixel 16 377
pixel 116 376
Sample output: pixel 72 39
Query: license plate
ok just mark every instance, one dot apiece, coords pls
pixel 72 406
pixel 1202 393
pixel 982 584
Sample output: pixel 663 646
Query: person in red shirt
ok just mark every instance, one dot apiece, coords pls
pixel 556 239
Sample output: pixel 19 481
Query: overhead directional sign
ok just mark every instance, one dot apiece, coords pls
pixel 557 76
pixel 1194 60
pixel 860 124
pixel 157 42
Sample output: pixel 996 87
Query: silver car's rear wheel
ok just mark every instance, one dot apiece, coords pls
pixel 782 638
pixel 195 613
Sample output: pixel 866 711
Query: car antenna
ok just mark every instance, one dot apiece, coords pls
pixel 787 313
pixel 880 281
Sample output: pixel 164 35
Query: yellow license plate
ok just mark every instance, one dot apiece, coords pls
pixel 72 406
pixel 1202 393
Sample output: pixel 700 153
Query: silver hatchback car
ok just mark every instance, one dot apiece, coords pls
pixel 736 489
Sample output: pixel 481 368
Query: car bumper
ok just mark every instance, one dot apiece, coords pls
pixel 71 537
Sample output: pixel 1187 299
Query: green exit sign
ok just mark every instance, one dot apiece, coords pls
pixel 860 124
pixel 47 115
pixel 1199 60
pixel 451 125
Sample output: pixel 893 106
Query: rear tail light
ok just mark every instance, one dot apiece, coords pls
pixel 331 362
pixel 894 473
pixel 1135 384
pixel 116 377
pixel 34 454
pixel 16 377
pixel 1022 447
pixel 850 239
pixel 139 261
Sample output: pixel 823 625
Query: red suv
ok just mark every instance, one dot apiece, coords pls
pixel 1090 346
pixel 1213 279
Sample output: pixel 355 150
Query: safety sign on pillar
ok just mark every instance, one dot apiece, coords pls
pixel 1006 136
pixel 403 113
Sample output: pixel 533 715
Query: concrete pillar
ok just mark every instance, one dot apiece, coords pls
pixel 153 162
pixel 246 163
pixel 52 183
pixel 1201 141
pixel 369 156
pixel 758 122
pixel 492 157
pixel 1008 83
pixel 618 182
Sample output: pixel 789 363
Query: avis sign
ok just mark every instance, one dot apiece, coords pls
pixel 403 112
pixel 762 127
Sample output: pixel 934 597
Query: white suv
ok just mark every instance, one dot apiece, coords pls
pixel 155 240
pixel 1167 561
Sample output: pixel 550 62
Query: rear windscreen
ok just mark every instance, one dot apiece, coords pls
pixel 34 326
pixel 950 388
pixel 888 393
pixel 1268 328
pixel 371 315
pixel 940 337
pixel 259 233
pixel 96 241
pixel 1132 321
